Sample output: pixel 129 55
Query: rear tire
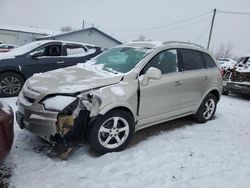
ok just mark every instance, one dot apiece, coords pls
pixel 11 84
pixel 112 131
pixel 207 109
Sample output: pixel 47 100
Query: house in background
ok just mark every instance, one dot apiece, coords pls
pixel 89 35
pixel 21 35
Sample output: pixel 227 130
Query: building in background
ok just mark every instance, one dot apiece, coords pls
pixel 21 35
pixel 89 35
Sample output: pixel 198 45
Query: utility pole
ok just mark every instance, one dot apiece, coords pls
pixel 211 30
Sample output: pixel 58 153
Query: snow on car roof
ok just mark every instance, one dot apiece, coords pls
pixel 248 55
pixel 29 46
pixel 144 44
pixel 26 48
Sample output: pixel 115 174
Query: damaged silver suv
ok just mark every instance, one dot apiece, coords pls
pixel 123 90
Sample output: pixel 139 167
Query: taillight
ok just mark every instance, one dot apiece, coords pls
pixel 221 72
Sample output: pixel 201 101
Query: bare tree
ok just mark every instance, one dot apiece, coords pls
pixel 224 51
pixel 66 28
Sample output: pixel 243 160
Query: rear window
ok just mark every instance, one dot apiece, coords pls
pixel 209 61
pixel 192 60
pixel 74 50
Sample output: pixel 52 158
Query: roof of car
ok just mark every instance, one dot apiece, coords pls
pixel 144 44
pixel 64 42
pixel 248 55
pixel 174 44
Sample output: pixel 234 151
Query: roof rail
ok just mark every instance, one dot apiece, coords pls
pixel 181 42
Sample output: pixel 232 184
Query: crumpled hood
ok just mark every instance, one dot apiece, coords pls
pixel 71 80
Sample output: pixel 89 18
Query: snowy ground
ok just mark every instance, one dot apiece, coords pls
pixel 178 154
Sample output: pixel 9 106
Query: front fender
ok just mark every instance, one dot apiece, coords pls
pixel 121 95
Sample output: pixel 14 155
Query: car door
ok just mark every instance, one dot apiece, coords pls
pixel 194 78
pixel 44 59
pixel 213 73
pixel 160 99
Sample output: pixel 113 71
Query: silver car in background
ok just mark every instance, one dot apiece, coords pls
pixel 123 90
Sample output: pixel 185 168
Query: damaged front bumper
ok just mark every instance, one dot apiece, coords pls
pixel 68 122
pixel 237 87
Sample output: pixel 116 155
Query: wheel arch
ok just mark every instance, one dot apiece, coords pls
pixel 216 94
pixel 15 71
pixel 213 91
pixel 123 107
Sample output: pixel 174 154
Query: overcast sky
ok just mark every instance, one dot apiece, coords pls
pixel 127 19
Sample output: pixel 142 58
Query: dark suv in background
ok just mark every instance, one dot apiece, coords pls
pixel 40 56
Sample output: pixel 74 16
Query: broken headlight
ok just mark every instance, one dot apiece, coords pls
pixel 91 102
pixel 59 103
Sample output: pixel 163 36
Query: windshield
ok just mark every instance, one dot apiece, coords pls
pixel 25 48
pixel 120 59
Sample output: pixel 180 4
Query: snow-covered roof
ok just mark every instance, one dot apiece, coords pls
pixel 28 29
pixel 80 30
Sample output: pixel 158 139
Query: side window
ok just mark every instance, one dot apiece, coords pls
pixel 74 50
pixel 192 60
pixel 166 61
pixel 209 61
pixel 41 51
pixel 53 50
pixel 50 50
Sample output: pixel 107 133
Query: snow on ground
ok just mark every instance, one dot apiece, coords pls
pixel 177 154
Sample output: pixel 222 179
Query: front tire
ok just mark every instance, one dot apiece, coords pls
pixel 11 84
pixel 112 132
pixel 207 109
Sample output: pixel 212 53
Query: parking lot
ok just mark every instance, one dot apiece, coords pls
pixel 179 153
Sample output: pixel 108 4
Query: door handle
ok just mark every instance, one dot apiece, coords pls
pixel 60 62
pixel 178 83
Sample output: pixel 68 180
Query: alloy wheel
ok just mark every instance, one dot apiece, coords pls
pixel 10 85
pixel 209 108
pixel 113 132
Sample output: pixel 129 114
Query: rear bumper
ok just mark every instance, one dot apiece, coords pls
pixel 237 87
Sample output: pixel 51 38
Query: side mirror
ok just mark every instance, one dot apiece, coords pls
pixel 35 55
pixel 152 73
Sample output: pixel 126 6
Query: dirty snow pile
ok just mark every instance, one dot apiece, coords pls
pixel 177 154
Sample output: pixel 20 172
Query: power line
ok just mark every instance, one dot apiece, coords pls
pixel 227 12
pixel 233 12
pixel 161 26
pixel 165 30
pixel 202 34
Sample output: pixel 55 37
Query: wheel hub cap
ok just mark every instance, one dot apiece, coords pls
pixel 209 109
pixel 113 132
pixel 10 85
